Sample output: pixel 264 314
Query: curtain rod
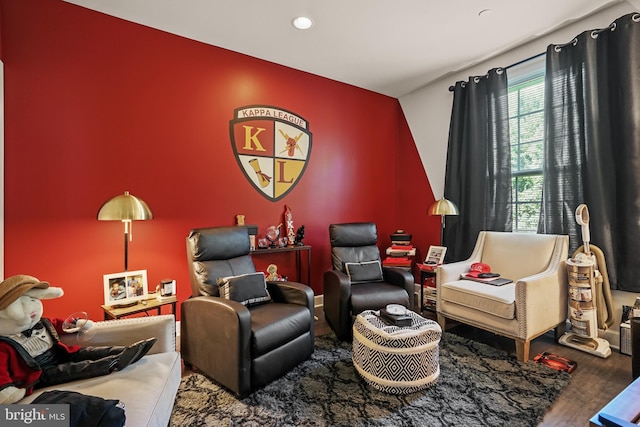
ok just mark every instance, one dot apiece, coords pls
pixel 525 60
pixel 635 17
pixel 451 88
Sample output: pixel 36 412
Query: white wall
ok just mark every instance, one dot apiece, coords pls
pixel 428 110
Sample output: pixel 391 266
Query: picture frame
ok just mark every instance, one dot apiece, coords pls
pixel 126 288
pixel 435 255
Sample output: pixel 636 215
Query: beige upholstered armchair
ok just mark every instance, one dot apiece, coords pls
pixel 534 303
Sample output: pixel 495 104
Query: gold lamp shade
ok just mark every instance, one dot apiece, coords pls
pixel 126 208
pixel 443 207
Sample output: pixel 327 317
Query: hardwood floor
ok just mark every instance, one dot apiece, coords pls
pixel 593 383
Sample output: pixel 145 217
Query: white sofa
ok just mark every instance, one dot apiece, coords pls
pixel 534 303
pixel 147 387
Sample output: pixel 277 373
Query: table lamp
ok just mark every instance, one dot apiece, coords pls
pixel 126 208
pixel 443 207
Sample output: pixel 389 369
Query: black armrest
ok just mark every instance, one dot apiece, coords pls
pixel 292 293
pixel 337 302
pixel 206 323
pixel 337 283
pixel 402 278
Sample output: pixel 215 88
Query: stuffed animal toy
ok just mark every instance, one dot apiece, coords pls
pixel 31 353
pixel 272 273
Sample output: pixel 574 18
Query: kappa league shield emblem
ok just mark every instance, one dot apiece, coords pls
pixel 272 147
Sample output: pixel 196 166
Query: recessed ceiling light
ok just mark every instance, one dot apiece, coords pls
pixel 484 13
pixel 302 22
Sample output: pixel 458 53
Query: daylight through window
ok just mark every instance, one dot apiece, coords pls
pixel 526 133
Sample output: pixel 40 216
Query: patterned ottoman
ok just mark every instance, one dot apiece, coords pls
pixel 394 359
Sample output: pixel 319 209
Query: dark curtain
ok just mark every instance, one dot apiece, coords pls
pixel 592 144
pixel 478 170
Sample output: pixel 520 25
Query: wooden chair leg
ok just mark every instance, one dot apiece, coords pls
pixel 522 350
pixel 442 321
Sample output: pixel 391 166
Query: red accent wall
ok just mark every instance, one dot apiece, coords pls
pixel 95 105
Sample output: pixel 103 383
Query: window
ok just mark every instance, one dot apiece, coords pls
pixel 526 133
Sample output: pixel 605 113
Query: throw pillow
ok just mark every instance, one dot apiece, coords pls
pixel 359 272
pixel 247 289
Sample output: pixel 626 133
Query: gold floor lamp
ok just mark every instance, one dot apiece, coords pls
pixel 126 208
pixel 443 207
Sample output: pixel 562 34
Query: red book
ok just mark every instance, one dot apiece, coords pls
pixel 402 247
pixel 397 260
pixel 427 267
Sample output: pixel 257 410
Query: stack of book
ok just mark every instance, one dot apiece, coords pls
pixel 399 256
pixel 400 238
pixel 401 253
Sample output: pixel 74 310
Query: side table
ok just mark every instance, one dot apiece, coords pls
pixel 427 275
pixel 298 252
pixel 111 312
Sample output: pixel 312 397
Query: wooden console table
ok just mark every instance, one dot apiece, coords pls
pixel 298 252
pixel 111 312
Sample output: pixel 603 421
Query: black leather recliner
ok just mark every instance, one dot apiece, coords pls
pixel 355 255
pixel 241 347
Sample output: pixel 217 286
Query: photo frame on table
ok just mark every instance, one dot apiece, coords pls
pixel 125 288
pixel 435 255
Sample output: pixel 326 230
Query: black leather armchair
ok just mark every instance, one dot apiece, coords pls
pixel 242 347
pixel 354 285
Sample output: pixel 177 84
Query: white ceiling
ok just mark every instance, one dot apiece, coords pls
pixel 391 47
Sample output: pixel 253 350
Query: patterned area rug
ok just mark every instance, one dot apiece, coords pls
pixel 478 386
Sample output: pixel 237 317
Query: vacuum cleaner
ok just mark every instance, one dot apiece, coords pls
pixel 590 301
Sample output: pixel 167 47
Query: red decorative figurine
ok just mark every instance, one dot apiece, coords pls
pixel 288 220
